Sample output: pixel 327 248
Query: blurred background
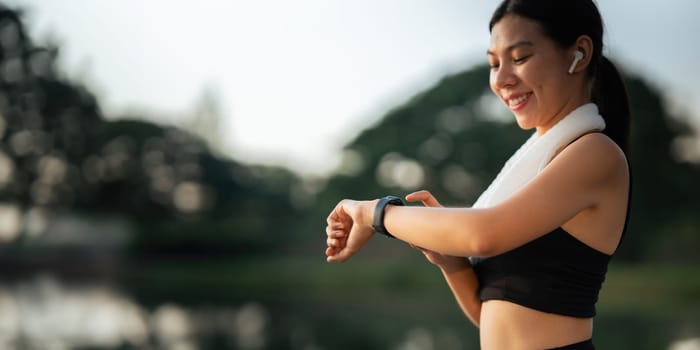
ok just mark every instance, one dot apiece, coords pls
pixel 166 169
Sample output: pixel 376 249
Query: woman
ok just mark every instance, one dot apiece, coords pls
pixel 541 236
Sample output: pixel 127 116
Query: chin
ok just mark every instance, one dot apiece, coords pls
pixel 524 123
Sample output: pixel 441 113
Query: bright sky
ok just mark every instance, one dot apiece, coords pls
pixel 296 80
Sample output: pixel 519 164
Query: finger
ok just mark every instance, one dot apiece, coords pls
pixel 424 197
pixel 338 214
pixel 335 233
pixel 416 196
pixel 331 254
pixel 330 251
pixel 339 243
pixel 335 226
pixel 339 254
pixel 338 257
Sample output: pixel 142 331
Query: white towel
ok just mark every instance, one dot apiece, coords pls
pixel 534 155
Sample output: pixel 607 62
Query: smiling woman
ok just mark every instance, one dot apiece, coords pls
pixel 526 262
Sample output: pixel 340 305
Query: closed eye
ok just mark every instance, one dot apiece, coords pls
pixel 521 60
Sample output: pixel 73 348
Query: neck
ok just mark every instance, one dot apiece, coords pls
pixel 554 121
pixel 572 104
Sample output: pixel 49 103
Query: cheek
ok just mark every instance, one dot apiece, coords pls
pixel 552 89
pixel 540 83
pixel 492 82
pixel 546 79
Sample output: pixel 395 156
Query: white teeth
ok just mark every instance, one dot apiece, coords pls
pixel 517 101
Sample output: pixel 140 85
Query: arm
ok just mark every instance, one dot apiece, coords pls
pixel 341 245
pixel 574 181
pixel 465 286
pixel 458 272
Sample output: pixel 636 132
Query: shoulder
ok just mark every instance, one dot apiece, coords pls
pixel 596 146
pixel 584 175
pixel 595 155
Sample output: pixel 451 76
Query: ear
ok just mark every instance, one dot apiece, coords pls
pixel 583 44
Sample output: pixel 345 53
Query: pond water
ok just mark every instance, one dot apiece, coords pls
pixel 45 312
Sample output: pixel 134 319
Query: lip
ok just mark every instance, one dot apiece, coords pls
pixel 524 97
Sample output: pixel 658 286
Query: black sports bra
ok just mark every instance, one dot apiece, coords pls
pixel 555 273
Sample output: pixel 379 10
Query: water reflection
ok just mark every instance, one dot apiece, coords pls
pixel 687 344
pixel 45 313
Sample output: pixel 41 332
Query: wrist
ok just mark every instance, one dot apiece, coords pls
pixel 380 210
pixel 368 212
pixel 455 264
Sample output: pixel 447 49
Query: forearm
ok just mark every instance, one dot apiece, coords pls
pixel 449 231
pixel 465 288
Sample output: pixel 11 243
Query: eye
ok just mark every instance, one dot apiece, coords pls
pixel 521 60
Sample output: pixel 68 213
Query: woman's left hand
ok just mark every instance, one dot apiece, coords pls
pixel 445 262
pixel 349 229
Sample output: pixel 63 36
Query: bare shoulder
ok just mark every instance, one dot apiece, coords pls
pixel 596 154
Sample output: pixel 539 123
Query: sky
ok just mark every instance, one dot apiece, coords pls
pixel 295 81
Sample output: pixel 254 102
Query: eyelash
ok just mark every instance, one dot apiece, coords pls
pixel 519 60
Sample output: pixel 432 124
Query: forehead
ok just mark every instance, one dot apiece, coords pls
pixel 512 29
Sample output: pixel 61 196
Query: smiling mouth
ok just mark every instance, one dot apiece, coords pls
pixel 514 102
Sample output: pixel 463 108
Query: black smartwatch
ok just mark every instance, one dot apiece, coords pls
pixel 378 220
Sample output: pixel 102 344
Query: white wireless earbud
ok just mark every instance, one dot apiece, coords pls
pixel 578 56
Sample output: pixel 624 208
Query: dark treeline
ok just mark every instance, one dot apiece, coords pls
pixel 60 154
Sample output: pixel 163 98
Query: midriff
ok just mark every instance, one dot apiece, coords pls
pixel 505 325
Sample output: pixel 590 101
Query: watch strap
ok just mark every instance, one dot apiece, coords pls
pixel 379 211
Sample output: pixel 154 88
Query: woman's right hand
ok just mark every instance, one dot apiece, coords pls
pixel 445 262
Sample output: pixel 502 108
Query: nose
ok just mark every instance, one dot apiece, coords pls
pixel 503 76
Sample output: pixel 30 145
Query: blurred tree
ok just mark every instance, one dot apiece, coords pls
pixel 57 152
pixel 206 120
pixel 664 223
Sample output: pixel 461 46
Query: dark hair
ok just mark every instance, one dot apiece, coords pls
pixel 564 21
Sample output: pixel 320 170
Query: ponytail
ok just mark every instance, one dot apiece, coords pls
pixel 610 95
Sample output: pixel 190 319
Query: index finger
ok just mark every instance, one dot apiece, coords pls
pixel 425 197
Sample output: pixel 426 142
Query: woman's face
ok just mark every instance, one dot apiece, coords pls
pixel 529 73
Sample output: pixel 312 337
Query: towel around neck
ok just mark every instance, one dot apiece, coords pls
pixel 534 155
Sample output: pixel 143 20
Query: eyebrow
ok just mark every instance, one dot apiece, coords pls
pixel 513 46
